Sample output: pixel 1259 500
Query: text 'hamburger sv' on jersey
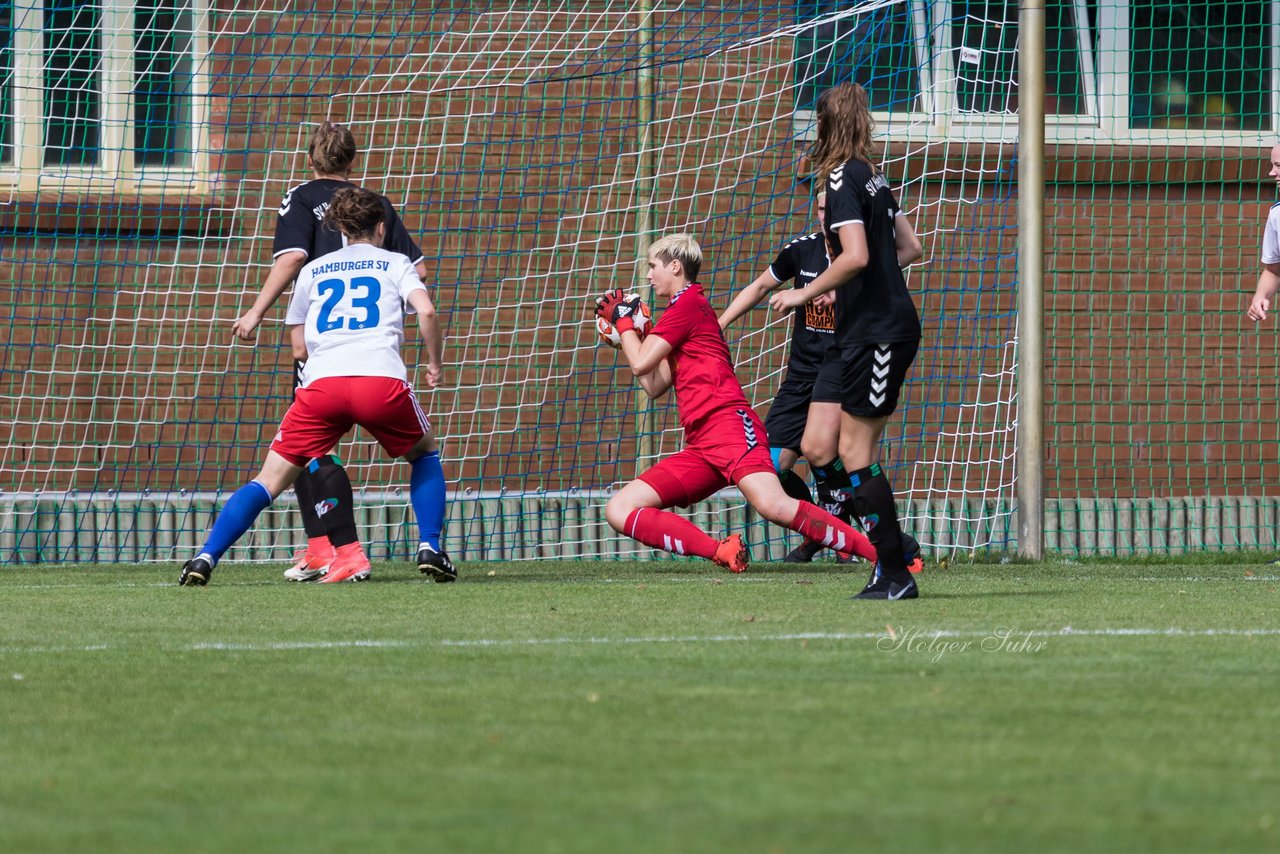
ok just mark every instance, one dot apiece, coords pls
pixel 352 305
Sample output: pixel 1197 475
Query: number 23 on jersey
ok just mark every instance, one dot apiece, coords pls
pixel 363 311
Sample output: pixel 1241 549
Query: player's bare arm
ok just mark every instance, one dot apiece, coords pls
pixel 645 356
pixel 910 249
pixel 1268 283
pixel 748 298
pixel 297 342
pixel 283 271
pixel 657 382
pixel 429 326
pixel 846 265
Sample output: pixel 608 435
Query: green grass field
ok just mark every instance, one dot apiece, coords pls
pixel 601 707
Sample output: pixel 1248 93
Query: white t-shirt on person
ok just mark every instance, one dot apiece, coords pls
pixel 352 303
pixel 1271 237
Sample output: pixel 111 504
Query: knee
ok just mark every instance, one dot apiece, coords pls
pixel 277 474
pixel 421 448
pixel 779 509
pixel 274 482
pixel 616 513
pixel 847 446
pixel 853 453
pixel 817 451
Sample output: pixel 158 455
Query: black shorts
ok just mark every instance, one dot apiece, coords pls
pixel 829 386
pixel 788 413
pixel 873 376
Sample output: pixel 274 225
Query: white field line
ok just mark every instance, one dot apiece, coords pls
pixel 921 635
pixel 125 585
pixel 753 579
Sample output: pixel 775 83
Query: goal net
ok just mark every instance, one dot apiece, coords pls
pixel 533 150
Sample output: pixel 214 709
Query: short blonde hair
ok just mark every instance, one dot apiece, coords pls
pixel 682 248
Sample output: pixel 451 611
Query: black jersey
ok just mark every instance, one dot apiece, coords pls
pixel 302 226
pixel 804 259
pixel 874 307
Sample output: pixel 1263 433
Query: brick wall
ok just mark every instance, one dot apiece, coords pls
pixel 120 371
pixel 1158 385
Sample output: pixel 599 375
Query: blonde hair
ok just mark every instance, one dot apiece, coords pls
pixel 844 129
pixel 332 149
pixel 682 248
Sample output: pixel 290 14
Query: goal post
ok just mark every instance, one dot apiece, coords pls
pixel 1030 462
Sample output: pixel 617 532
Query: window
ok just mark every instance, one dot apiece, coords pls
pixel 941 61
pixel 984 45
pixel 879 48
pixel 72 83
pixel 1204 64
pixel 6 83
pixel 99 92
pixel 1142 71
pixel 162 92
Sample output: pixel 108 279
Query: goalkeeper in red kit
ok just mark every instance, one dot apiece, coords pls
pixel 724 438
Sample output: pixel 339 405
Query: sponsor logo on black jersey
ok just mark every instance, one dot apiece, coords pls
pixel 820 319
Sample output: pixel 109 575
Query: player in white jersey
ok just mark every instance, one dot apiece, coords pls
pixel 351 304
pixel 303 235
pixel 1269 280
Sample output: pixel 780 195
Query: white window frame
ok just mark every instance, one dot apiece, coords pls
pixel 1106 92
pixel 1114 78
pixel 898 125
pixel 116 170
pixel 1003 127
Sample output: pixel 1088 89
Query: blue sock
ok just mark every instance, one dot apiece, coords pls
pixel 426 494
pixel 237 517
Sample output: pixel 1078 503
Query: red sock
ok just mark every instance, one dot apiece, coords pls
pixel 817 524
pixel 669 532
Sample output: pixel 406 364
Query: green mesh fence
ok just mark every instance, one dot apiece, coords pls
pixel 145 148
pixel 1161 403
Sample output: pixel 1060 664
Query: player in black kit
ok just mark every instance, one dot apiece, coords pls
pixel 877 326
pixel 804 416
pixel 302 235
pixel 802 260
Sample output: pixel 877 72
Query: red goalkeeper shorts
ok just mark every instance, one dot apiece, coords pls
pixel 325 410
pixel 728 447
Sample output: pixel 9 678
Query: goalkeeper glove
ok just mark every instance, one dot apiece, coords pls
pixel 619 309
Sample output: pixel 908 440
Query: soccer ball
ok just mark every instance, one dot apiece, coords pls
pixel 612 337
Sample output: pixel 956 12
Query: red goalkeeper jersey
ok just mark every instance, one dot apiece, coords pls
pixel 702 371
